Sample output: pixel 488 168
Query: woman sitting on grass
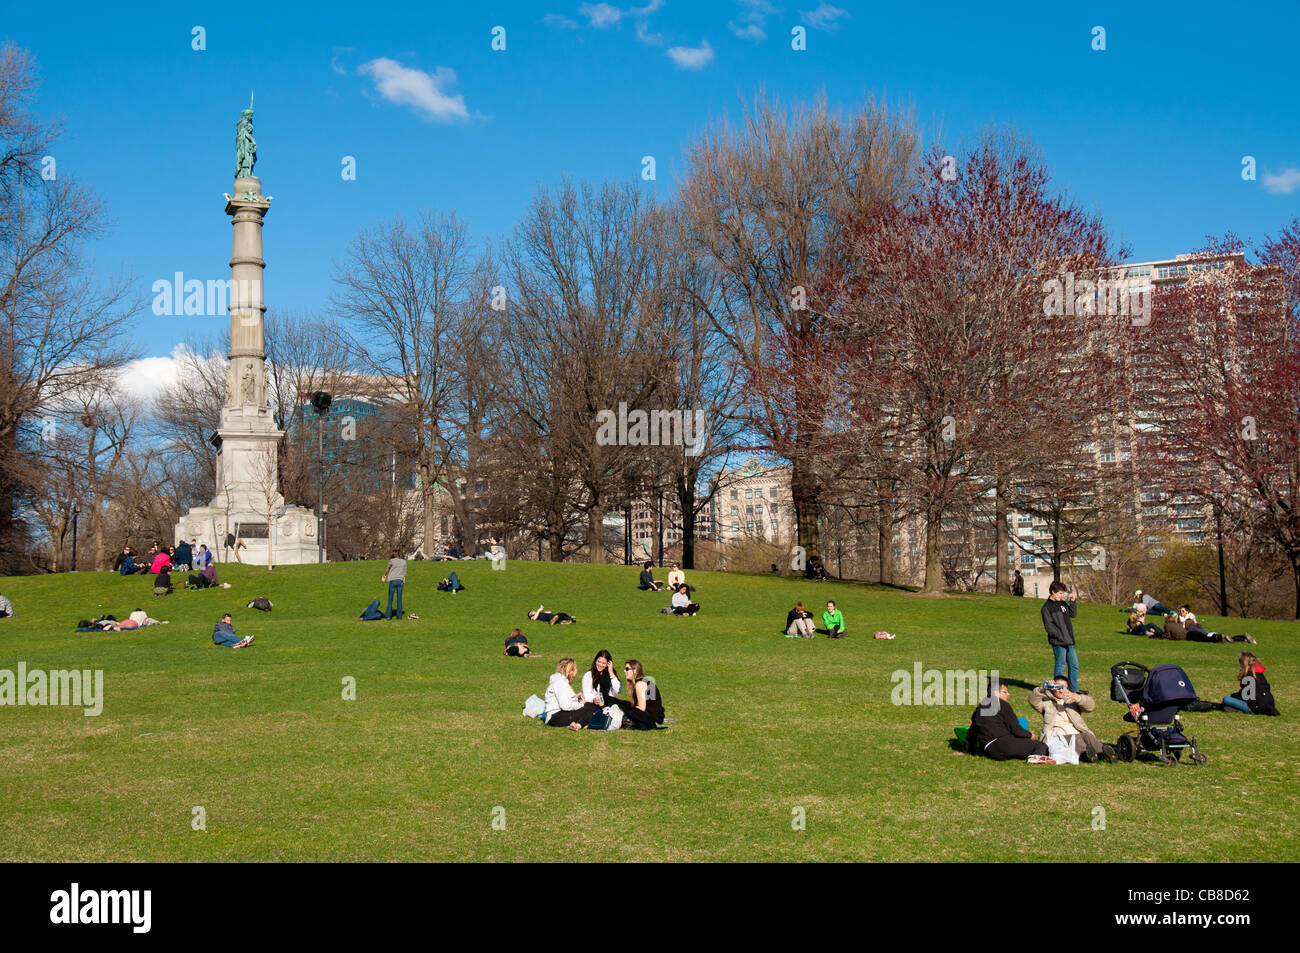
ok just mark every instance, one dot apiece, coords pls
pixel 540 614
pixel 563 707
pixel 517 645
pixel 205 579
pixel 682 604
pixel 1255 697
pixel 1138 624
pixel 644 707
pixel 799 623
pixel 599 685
pixel 834 620
pixel 162 584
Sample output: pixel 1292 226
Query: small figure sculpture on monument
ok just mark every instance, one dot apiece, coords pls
pixel 249 387
pixel 245 144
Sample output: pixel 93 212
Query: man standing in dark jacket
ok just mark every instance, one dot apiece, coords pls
pixel 1058 610
pixel 995 731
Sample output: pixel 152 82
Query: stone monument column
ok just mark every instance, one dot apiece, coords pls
pixel 248 503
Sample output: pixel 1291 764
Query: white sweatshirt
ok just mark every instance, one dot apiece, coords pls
pixel 681 600
pixel 589 687
pixel 560 696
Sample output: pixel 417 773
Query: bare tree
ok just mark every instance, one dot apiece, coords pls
pixel 765 202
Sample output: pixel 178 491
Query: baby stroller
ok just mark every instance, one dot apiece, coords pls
pixel 1162 691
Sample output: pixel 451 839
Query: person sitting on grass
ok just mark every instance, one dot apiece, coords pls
pixel 678 578
pixel 1255 697
pixel 1138 624
pixel 517 645
pixel 814 570
pixel 643 708
pixel 6 608
pixel 162 585
pixel 1063 712
pixel 599 684
pixel 648 582
pixel 182 557
pixel 682 604
pixel 834 620
pixel 224 634
pixel 541 614
pixel 206 577
pixel 799 623
pixel 995 731
pixel 564 709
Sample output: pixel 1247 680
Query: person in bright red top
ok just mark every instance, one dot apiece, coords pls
pixel 1255 696
pixel 161 561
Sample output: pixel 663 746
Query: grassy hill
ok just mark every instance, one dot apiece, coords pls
pixel 286 769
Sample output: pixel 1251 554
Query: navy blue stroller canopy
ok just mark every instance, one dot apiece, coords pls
pixel 1168 685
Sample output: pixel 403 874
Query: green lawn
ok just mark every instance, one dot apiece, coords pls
pixel 285 769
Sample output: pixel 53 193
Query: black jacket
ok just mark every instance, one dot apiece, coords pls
pixel 647 580
pixel 993 719
pixel 1262 703
pixel 796 614
pixel 1056 620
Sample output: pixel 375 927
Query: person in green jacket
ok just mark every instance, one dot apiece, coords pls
pixel 834 620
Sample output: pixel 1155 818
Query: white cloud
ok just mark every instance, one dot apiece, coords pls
pixel 601 15
pixel 824 17
pixel 427 93
pixel 753 19
pixel 560 20
pixel 145 379
pixel 692 57
pixel 1283 183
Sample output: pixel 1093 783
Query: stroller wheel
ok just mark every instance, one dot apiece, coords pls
pixel 1198 758
pixel 1167 758
pixel 1125 747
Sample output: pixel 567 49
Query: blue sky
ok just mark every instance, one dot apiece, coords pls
pixel 1150 132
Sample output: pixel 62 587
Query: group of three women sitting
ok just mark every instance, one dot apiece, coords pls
pixel 643 707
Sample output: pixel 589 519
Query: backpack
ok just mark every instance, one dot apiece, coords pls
pixel 265 604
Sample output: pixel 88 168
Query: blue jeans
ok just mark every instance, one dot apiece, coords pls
pixel 1159 609
pixel 225 638
pixel 1237 703
pixel 1064 654
pixel 394 586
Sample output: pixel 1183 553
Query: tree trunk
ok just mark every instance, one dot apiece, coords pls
pixel 555 539
pixel 686 503
pixel 1000 540
pixel 1223 573
pixel 426 498
pixel 595 536
pixel 803 492
pixel 1056 549
pixel 933 549
pixel 1295 571
pixel 885 534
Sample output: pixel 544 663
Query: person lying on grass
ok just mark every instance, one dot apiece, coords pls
pixel 540 614
pixel 517 645
pixel 599 684
pixel 1062 712
pixel 136 620
pixel 682 604
pixel 564 709
pixel 644 707
pixel 834 620
pixel 995 731
pixel 224 634
pixel 1177 631
pixel 1255 697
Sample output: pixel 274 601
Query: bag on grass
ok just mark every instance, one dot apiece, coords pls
pixel 1060 748
pixel 615 715
pixel 534 707
pixel 265 604
pixel 599 722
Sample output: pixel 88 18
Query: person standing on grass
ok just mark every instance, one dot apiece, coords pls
pixel 564 709
pixel 224 634
pixel 1058 611
pixel 1018 584
pixel 395 576
pixel 834 620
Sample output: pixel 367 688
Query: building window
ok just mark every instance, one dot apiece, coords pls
pixel 771 492
pixel 735 527
pixel 772 508
pixel 734 494
pixel 735 511
pixel 749 494
pixel 759 509
pixel 774 526
pixel 749 526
